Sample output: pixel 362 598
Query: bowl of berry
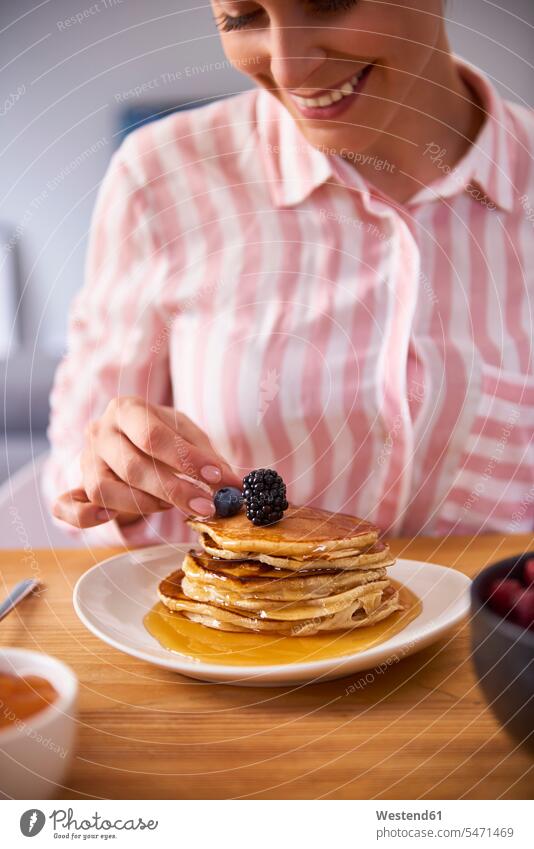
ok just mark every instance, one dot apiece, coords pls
pixel 502 641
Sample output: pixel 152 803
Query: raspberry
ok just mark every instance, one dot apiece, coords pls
pixel 523 612
pixel 264 492
pixel 504 595
pixel 528 572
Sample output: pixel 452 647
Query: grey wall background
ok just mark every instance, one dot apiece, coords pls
pixel 62 86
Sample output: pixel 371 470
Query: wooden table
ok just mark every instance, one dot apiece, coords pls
pixel 420 730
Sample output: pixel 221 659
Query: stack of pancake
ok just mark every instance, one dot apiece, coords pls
pixel 311 571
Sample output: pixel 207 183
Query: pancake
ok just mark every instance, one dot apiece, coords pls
pixel 368 594
pixel 378 554
pixel 303 531
pixel 256 580
pixel 311 571
pixel 354 615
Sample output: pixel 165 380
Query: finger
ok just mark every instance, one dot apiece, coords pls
pixel 184 425
pixel 149 475
pixel 193 434
pixel 105 489
pixel 75 508
pixel 155 437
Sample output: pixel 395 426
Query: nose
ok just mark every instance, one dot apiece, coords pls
pixel 294 55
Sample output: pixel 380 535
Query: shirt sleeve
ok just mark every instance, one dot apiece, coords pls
pixel 117 341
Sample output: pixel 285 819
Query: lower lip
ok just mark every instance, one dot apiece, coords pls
pixel 340 106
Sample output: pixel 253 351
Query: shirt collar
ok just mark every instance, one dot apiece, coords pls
pixel 486 170
pixel 295 168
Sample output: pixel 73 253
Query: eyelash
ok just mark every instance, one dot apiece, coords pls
pixel 228 23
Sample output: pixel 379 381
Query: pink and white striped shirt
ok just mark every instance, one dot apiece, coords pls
pixel 378 355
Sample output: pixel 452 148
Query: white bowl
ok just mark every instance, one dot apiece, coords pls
pixel 35 753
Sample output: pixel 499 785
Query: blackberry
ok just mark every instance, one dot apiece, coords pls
pixel 264 492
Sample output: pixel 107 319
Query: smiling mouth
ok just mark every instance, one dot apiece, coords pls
pixel 334 95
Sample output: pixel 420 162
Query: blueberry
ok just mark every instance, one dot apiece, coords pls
pixel 228 501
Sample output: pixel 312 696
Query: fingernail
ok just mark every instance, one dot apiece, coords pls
pixel 201 507
pixel 211 474
pixel 106 515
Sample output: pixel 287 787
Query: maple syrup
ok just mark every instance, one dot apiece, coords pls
pixel 209 645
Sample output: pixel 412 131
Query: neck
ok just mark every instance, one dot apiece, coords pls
pixel 440 110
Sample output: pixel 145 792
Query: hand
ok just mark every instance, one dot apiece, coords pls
pixel 130 462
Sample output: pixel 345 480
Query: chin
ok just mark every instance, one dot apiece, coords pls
pixel 332 138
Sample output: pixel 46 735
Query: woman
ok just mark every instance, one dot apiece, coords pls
pixel 328 274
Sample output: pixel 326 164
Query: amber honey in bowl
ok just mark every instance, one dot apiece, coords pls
pixel 22 697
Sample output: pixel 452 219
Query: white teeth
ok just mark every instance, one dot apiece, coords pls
pixel 332 96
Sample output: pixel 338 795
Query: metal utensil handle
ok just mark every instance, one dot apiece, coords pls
pixel 17 594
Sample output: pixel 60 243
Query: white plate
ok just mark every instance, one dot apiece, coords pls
pixel 113 597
